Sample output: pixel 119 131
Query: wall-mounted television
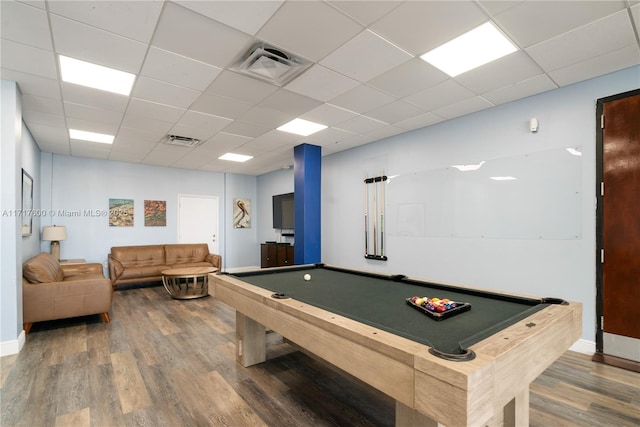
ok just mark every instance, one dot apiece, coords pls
pixel 283 215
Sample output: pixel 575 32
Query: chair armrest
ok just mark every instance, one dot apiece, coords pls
pixel 215 260
pixel 76 269
pixel 115 268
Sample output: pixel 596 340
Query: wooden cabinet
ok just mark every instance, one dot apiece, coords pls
pixel 276 255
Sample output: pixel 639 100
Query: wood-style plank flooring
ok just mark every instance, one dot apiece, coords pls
pixel 165 362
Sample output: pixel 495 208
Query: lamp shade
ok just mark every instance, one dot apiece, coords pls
pixel 54 233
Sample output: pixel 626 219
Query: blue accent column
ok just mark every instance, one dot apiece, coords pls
pixel 307 171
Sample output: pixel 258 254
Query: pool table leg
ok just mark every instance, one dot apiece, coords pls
pixel 250 341
pixel 409 417
pixel 516 412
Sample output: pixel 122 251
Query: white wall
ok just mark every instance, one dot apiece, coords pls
pixel 278 182
pixel 73 185
pixel 543 267
pixel 242 247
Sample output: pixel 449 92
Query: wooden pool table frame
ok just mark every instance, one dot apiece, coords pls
pixel 492 389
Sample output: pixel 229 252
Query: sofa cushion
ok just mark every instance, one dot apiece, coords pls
pixel 43 268
pixel 139 256
pixel 185 253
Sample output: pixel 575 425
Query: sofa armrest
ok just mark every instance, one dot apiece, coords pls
pixel 215 260
pixel 115 269
pixel 82 269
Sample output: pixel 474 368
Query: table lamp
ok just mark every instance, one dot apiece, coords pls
pixel 55 234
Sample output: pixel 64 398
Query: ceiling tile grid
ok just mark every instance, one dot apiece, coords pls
pixel 366 81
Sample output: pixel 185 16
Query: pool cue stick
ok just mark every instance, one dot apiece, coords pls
pixel 366 220
pixel 375 219
pixel 382 195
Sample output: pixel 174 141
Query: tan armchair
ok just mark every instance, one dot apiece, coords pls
pixel 51 291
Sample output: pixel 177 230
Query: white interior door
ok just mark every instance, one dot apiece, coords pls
pixel 198 220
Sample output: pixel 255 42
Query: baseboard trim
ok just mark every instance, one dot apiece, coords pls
pixel 7 348
pixel 584 346
pixel 618 362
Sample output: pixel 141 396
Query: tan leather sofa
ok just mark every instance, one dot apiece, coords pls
pixel 140 264
pixel 51 291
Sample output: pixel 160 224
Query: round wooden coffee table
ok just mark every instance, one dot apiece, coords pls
pixel 187 282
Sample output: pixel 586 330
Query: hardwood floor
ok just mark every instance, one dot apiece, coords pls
pixel 164 362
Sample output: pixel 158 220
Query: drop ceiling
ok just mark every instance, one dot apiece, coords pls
pixel 365 80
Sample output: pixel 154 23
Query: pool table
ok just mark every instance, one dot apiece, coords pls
pixel 473 368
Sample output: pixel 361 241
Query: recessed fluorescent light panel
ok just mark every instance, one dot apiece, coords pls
pixel 503 178
pixel 235 157
pixel 90 136
pixel 95 76
pixel 467 168
pixel 301 127
pixel 477 47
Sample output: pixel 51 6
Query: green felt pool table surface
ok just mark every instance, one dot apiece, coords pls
pixel 380 301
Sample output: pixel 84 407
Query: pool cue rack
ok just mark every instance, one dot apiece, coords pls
pixel 374 230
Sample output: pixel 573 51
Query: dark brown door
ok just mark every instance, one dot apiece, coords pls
pixel 621 216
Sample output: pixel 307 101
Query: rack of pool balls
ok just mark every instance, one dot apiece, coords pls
pixel 437 308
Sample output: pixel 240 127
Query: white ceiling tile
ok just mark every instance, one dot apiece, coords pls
pixel 321 83
pixel 328 136
pixel 598 38
pixel 384 132
pixel 195 159
pixel 251 130
pixel 155 129
pixel 395 112
pixel 423 120
pixel 495 7
pixel 34 85
pixel 223 142
pixel 365 12
pixel 165 155
pixel 94 45
pixel 51 136
pixel 178 70
pixel 199 125
pixel 25 24
pixel 93 150
pixel 522 89
pixel 499 73
pixel 55 120
pixel 42 104
pixel 362 98
pixel 140 135
pixel 40 4
pixel 297 24
pixel 266 116
pixel 120 156
pixel 603 64
pixel 289 102
pixel 635 13
pixel 195 36
pixel 27 59
pixel 241 88
pixel 164 93
pixel 220 106
pixel 445 93
pixel 531 22
pixel 349 60
pixel 94 97
pixel 419 26
pixel 463 107
pixel 360 124
pixel 92 114
pixel 130 146
pixel 163 112
pixel 328 115
pixel 136 20
pixel 247 16
pixel 273 140
pixel 408 78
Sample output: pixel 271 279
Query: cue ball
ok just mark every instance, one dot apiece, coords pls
pixel 307 277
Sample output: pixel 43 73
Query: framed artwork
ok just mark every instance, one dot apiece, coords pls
pixel 155 213
pixel 120 213
pixel 27 204
pixel 241 213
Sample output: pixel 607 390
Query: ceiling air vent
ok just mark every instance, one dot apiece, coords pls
pixel 271 64
pixel 182 141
